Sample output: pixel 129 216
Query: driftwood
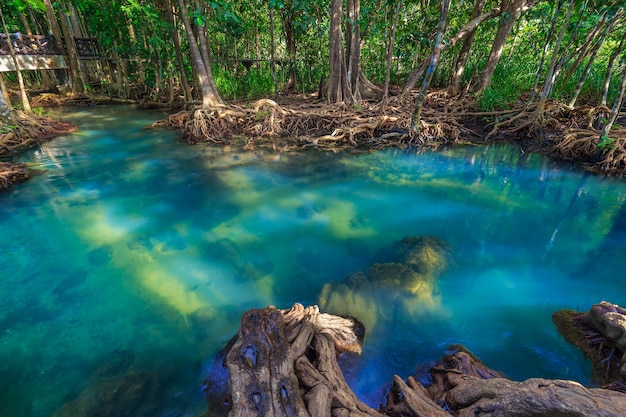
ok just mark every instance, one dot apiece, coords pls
pixel 285 363
pixel 601 334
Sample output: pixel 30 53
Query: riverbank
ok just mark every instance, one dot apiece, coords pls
pixel 28 131
pixel 302 121
pixel 297 122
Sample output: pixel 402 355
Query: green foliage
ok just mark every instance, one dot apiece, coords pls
pixel 228 21
pixel 253 84
pixel 39 111
pixel 139 32
pixel 605 142
pixel 22 5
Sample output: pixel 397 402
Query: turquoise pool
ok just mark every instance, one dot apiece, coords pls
pixel 131 241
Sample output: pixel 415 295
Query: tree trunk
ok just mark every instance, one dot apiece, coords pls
pixel 53 26
pixel 46 81
pixel 461 61
pixel 583 50
pixel 290 40
pixel 20 78
pixel 284 363
pixel 434 60
pixel 337 88
pixel 210 96
pixel 512 10
pixel 592 58
pixel 606 130
pixel 551 75
pixel 462 34
pixel 545 50
pixel 273 51
pixel 6 115
pixel 390 46
pixel 77 81
pixel 174 34
pixel 609 70
pixel 353 43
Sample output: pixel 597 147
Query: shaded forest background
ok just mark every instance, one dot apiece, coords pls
pixel 516 66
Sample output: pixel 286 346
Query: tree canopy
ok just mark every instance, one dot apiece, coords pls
pixel 496 54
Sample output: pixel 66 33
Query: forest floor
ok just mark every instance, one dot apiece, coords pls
pixel 295 122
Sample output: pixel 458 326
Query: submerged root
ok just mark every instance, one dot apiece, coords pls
pixel 29 131
pixel 12 173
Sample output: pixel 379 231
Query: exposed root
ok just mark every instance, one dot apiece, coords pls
pixel 306 123
pixel 12 173
pixel 29 131
pixel 585 144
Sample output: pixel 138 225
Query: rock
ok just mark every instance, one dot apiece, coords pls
pixel 405 278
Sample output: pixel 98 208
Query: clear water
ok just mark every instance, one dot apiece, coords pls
pixel 130 240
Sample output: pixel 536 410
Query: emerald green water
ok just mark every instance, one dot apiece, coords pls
pixel 130 241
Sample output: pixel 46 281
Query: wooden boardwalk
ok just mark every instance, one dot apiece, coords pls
pixel 37 52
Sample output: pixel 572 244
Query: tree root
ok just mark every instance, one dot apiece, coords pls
pixel 285 363
pixel 608 155
pixel 12 173
pixel 307 123
pixel 29 131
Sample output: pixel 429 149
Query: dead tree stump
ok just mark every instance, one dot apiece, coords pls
pixel 464 387
pixel 284 363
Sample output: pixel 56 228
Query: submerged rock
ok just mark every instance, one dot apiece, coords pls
pixel 115 390
pixel 403 282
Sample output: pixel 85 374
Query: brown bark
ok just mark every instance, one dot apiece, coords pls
pixel 77 80
pixel 174 34
pixel 390 45
pixel 353 43
pixel 274 372
pixel 337 88
pixel 285 363
pixel 20 78
pixel 345 74
pixel 512 9
pixel 210 96
pixel 461 61
pixel 461 34
pixel 290 40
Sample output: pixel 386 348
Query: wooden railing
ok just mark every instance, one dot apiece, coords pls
pixel 45 45
pixel 29 44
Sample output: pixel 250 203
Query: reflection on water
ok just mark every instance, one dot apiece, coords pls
pixel 131 242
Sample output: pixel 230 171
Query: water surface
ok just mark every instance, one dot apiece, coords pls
pixel 131 244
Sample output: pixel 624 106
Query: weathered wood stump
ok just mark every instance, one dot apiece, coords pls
pixel 601 334
pixel 285 363
pixel 464 387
